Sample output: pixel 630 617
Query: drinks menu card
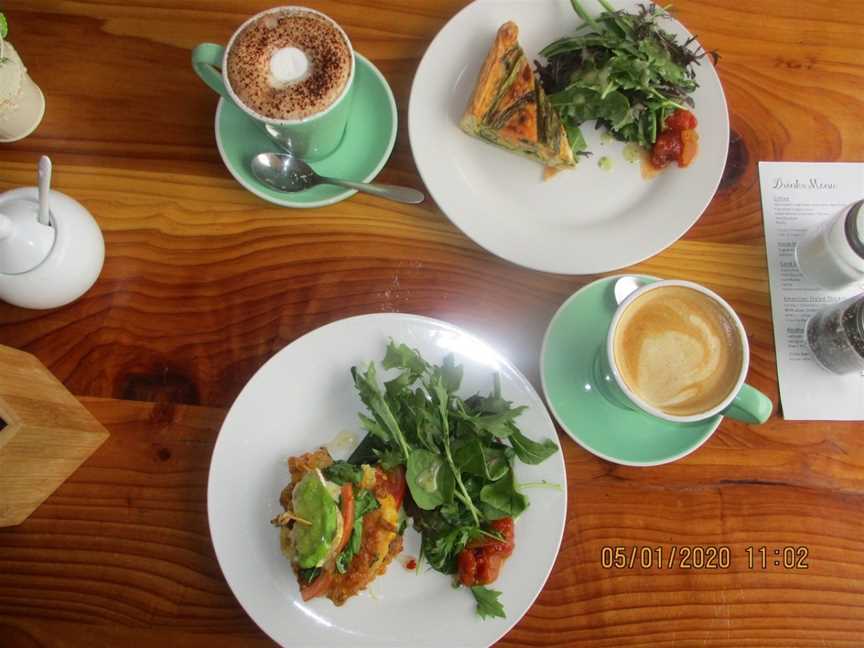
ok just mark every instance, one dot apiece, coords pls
pixel 796 197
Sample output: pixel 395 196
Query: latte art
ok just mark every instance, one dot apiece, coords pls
pixel 678 350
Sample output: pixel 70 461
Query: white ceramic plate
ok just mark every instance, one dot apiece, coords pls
pixel 302 398
pixel 582 221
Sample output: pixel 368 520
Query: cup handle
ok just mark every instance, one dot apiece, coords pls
pixel 207 63
pixel 750 406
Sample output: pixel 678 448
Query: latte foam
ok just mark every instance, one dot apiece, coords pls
pixel 678 350
pixel 289 64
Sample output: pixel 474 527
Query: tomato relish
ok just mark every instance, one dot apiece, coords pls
pixel 678 142
pixel 481 560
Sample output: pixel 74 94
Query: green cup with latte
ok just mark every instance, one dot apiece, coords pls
pixel 677 351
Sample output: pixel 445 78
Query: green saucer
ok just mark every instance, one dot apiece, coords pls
pixel 369 138
pixel 575 334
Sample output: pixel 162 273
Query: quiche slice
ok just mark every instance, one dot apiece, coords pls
pixel 510 109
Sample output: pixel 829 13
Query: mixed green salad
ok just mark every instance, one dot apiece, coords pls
pixel 622 70
pixel 458 456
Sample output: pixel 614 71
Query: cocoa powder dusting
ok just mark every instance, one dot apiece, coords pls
pixel 326 49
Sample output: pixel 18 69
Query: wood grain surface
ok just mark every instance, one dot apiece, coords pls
pixel 203 282
pixel 121 554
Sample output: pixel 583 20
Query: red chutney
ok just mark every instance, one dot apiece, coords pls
pixel 480 562
pixel 678 142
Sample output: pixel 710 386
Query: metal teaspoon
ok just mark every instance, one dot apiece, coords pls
pixel 288 173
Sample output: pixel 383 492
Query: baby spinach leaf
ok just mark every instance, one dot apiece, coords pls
pixel 501 499
pixel 475 458
pixel 468 456
pixel 456 515
pixel 529 451
pixel 427 477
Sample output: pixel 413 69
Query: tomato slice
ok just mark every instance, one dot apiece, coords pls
pixel 480 562
pixel 488 568
pixel 681 120
pixel 467 567
pixel 690 140
pixel 317 587
pixel 347 516
pixel 506 528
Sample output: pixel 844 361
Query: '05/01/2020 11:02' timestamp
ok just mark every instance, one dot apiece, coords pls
pixel 705 557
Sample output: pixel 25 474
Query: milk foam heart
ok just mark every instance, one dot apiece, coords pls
pixel 678 350
pixel 287 65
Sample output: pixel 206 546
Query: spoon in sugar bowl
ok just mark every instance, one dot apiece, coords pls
pixel 287 173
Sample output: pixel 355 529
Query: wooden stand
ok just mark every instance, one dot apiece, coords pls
pixel 47 435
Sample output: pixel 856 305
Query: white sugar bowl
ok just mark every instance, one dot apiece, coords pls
pixel 47 265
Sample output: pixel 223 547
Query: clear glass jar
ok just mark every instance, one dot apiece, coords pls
pixel 836 336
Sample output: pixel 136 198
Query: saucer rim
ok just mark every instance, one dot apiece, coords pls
pixel 712 428
pixel 341 195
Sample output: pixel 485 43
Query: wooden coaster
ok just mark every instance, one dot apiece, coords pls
pixel 45 434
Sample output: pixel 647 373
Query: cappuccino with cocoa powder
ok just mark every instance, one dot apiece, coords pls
pixel 678 350
pixel 289 64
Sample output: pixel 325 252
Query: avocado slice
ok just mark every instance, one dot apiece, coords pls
pixel 313 502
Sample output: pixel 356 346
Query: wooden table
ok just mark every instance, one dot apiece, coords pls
pixel 203 282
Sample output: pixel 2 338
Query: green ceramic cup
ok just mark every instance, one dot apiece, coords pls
pixel 743 403
pixel 311 138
